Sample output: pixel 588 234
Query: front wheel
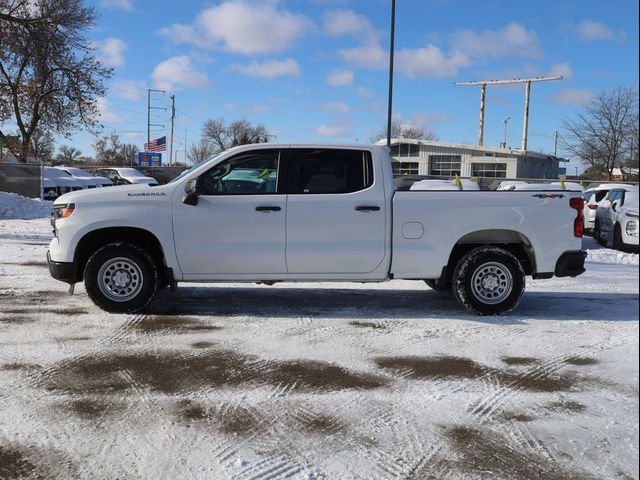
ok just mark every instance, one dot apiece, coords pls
pixel 489 281
pixel 618 244
pixel 121 278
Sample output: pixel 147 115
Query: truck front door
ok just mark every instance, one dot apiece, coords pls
pixel 238 225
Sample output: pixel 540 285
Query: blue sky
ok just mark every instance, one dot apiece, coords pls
pixel 316 70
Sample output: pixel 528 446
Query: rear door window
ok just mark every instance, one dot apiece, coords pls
pixel 329 171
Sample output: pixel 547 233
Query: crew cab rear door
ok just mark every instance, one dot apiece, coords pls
pixel 335 212
pixel 238 224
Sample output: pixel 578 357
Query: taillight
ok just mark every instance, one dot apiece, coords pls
pixel 593 206
pixel 578 223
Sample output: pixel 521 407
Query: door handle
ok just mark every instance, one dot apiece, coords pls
pixel 367 208
pixel 268 209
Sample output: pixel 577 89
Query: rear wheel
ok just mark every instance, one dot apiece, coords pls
pixel 121 278
pixel 489 281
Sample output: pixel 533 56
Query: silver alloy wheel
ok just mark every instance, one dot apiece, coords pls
pixel 120 279
pixel 491 283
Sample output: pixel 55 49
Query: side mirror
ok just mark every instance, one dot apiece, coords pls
pixel 614 205
pixel 192 190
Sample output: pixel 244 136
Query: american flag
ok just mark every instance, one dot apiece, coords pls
pixel 156 145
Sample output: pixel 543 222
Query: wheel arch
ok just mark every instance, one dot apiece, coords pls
pixel 512 241
pixel 98 238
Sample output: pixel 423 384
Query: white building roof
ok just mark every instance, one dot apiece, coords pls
pixel 465 146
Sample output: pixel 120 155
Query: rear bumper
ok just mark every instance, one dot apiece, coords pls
pixel 571 264
pixel 62 271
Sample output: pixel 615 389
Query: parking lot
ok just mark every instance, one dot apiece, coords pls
pixel 245 381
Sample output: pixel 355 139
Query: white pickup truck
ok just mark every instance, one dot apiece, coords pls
pixel 269 213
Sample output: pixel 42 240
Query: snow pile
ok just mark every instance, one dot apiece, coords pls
pixel 606 255
pixel 13 206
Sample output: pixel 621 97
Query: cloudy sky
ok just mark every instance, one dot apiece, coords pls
pixel 316 70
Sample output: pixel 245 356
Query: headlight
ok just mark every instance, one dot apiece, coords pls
pixel 632 215
pixel 63 211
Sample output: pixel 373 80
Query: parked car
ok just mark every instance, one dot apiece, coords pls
pixel 617 219
pixel 592 198
pixel 125 176
pixel 64 182
pixel 435 184
pixel 339 216
pixel 91 181
pixel 510 184
pixel 49 189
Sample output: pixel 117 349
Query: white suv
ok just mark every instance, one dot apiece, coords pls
pixel 592 198
pixel 617 218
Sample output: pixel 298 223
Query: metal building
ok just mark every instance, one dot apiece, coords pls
pixel 431 158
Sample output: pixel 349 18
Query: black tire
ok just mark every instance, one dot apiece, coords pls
pixel 121 278
pixel 438 286
pixel 489 281
pixel 618 244
pixel 596 234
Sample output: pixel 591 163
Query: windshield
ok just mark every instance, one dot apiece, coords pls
pixel 130 172
pixel 78 172
pixel 186 172
pixel 631 200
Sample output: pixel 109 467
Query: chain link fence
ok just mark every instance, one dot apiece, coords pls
pixel 161 174
pixel 23 179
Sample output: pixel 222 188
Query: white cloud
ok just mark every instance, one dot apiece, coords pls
pixel 429 62
pixel 365 92
pixel 332 131
pixel 129 89
pixel 239 27
pixel 590 30
pixel 370 55
pixel 338 23
pixel 574 97
pixel 118 4
pixel 176 72
pixel 104 112
pixel 562 69
pixel 340 78
pixel 269 69
pixel 514 40
pixel 337 107
pixel 111 52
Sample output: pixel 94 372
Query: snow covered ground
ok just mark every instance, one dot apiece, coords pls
pixel 335 381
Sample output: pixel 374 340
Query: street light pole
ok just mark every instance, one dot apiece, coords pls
pixel 506 120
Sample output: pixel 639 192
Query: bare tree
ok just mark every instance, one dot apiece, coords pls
pixel 109 149
pixel 49 76
pixel 68 155
pixel 128 152
pixel 201 152
pixel 239 132
pixel 42 146
pixel 403 130
pixel 599 133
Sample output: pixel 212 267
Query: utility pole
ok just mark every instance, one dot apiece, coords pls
pixel 173 115
pixel 149 108
pixel 391 46
pixel 555 143
pixel 527 81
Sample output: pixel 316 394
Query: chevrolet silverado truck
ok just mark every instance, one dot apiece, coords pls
pixel 274 213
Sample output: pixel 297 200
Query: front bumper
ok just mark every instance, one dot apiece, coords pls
pixel 571 264
pixel 63 271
